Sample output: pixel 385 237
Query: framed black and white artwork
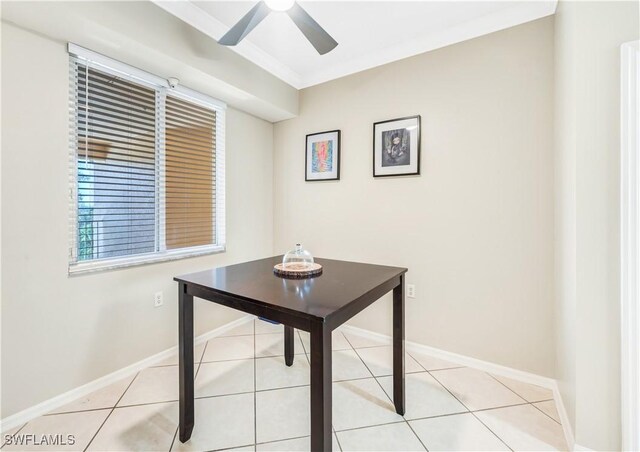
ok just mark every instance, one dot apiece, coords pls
pixel 396 147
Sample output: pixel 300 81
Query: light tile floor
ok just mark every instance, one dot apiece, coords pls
pixel 247 399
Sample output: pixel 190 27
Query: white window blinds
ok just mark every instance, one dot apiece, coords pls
pixel 190 164
pixel 147 167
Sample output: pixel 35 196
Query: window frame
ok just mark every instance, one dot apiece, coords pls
pixel 161 86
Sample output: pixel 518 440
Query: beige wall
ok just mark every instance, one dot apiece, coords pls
pixel 475 228
pixel 589 35
pixel 565 207
pixel 60 332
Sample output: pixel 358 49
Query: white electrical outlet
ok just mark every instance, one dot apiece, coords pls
pixel 411 290
pixel 157 299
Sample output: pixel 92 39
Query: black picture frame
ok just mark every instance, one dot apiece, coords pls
pixel 333 175
pixel 377 170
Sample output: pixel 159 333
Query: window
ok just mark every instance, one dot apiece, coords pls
pixel 147 167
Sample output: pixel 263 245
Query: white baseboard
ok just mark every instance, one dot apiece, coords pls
pixel 564 419
pixel 463 360
pixel 496 369
pixel 47 406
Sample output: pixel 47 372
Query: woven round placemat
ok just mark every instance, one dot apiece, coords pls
pixel 297 270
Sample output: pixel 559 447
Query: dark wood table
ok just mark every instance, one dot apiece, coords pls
pixel 317 305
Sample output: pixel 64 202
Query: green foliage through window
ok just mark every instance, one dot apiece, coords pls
pixel 85 221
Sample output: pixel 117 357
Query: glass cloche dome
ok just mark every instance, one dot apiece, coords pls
pixel 297 259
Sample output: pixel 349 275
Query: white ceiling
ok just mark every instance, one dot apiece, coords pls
pixel 369 33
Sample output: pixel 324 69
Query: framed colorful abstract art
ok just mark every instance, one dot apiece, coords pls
pixel 396 147
pixel 322 158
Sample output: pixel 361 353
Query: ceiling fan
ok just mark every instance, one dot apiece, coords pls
pixel 316 35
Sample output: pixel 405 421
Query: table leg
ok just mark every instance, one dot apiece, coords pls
pixel 185 361
pixel 288 345
pixel 320 387
pixel 398 347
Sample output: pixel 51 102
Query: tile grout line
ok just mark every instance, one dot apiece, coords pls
pixel 308 436
pixel 139 404
pixel 175 434
pixel 385 393
pixel 285 439
pixel 281 388
pixel 427 370
pixel 416 435
pixel 472 413
pixel 204 350
pixel 530 403
pixel 88 410
pixel 220 360
pixel 538 408
pixel 111 412
pixel 477 418
pixel 335 433
pixel 230 448
pixel 15 433
pixel 482 410
pixel 430 417
pixel 419 364
pixel 401 421
pixel 508 387
pixel 504 406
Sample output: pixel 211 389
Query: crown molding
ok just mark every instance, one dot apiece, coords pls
pixel 519 13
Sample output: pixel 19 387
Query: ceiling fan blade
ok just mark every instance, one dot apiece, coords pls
pixel 320 39
pixel 245 25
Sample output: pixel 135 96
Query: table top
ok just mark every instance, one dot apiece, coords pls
pixel 340 284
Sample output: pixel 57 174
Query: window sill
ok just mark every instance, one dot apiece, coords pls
pixel 101 265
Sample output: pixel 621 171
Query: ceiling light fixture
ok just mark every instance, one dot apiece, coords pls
pixel 279 5
pixel 315 34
